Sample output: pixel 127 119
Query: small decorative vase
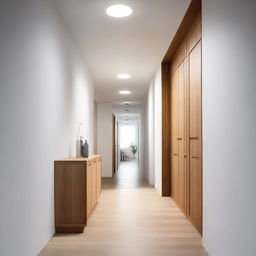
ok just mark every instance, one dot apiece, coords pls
pixel 78 148
pixel 85 149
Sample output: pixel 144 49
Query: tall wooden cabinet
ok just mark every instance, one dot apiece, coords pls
pixel 185 104
pixel 77 187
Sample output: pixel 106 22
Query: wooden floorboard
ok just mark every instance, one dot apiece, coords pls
pixel 131 219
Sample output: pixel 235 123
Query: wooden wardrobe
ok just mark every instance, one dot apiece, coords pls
pixel 185 125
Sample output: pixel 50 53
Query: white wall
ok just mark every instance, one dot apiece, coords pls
pixel 105 137
pixel 150 136
pixel 45 91
pixel 229 127
pixel 154 132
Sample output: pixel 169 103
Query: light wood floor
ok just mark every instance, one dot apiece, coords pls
pixel 131 219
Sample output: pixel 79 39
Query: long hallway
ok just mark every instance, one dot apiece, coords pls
pixel 130 219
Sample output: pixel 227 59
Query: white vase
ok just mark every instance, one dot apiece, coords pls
pixel 78 148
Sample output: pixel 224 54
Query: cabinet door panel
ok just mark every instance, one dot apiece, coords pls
pixel 195 91
pixel 78 194
pixel 98 178
pixel 94 183
pixel 174 135
pixel 195 209
pixel 70 193
pixel 63 194
pixel 175 177
pixel 89 188
pixel 195 185
pixel 182 135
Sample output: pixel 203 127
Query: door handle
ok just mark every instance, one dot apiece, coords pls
pixel 179 138
pixel 175 154
pixel 195 157
pixel 193 138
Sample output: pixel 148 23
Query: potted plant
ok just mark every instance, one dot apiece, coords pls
pixel 133 148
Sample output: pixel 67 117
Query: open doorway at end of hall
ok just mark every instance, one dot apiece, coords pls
pixel 126 142
pixel 128 138
pixel 128 172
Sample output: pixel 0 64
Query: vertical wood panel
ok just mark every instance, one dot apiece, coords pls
pixel 185 124
pixel 63 190
pixel 174 135
pixel 195 84
pixel 94 183
pixel 89 188
pixel 195 91
pixel 182 134
pixel 99 178
pixel 78 193
pixel 166 129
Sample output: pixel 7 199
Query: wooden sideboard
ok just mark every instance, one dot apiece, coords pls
pixel 77 187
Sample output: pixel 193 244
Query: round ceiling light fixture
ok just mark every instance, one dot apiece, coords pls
pixel 119 11
pixel 123 76
pixel 124 92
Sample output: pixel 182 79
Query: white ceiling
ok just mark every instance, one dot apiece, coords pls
pixel 129 112
pixel 134 45
pixel 130 117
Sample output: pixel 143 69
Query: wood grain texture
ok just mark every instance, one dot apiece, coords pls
pixel 89 189
pixel 185 125
pixel 182 161
pixel 69 191
pixel 195 135
pixel 174 171
pixel 194 34
pixel 131 220
pixel 94 183
pixel 191 14
pixel 171 61
pixel 99 177
pixel 179 56
pixel 165 130
pixel 76 192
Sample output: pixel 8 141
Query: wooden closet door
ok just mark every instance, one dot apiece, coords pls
pixel 94 183
pixel 98 178
pixel 182 135
pixel 195 175
pixel 174 135
pixel 89 188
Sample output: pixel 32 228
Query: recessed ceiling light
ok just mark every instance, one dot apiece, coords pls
pixel 119 11
pixel 124 92
pixel 124 76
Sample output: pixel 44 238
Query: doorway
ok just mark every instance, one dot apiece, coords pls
pixel 128 143
pixel 129 146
